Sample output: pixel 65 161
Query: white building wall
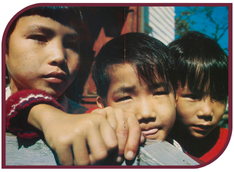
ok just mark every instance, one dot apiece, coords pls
pixel 159 22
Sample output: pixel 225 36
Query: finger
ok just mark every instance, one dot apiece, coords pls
pixel 109 114
pixel 134 138
pixel 101 112
pixel 64 154
pixel 121 132
pixel 80 151
pixel 101 140
pixel 109 136
pixel 143 139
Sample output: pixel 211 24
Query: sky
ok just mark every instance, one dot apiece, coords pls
pixel 220 15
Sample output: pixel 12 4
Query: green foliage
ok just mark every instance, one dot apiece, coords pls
pixel 213 22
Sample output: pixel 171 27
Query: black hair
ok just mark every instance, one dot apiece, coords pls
pixel 201 64
pixel 149 57
pixel 70 16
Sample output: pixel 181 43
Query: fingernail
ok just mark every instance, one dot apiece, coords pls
pixel 142 139
pixel 130 155
pixel 119 159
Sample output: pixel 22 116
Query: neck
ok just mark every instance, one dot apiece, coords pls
pixel 64 102
pixel 196 147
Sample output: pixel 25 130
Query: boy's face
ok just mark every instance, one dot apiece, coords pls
pixel 42 55
pixel 153 107
pixel 198 113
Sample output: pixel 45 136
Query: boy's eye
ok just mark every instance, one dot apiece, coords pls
pixel 219 98
pixel 124 99
pixel 193 96
pixel 72 42
pixel 39 38
pixel 159 93
pixel 72 45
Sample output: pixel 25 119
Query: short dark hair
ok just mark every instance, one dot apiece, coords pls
pixel 149 57
pixel 201 64
pixel 71 16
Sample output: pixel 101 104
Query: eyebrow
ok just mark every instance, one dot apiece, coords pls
pixel 130 89
pixel 40 28
pixel 158 85
pixel 123 89
pixel 47 30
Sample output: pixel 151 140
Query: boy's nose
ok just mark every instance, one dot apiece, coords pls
pixel 206 110
pixel 58 54
pixel 145 111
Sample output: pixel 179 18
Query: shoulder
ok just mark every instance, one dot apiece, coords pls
pixel 219 145
pixel 223 132
pixel 223 135
pixel 74 107
pixel 7 92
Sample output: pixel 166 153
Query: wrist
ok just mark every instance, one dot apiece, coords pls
pixel 43 115
pixel 18 107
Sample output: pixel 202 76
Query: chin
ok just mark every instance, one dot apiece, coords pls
pixel 52 92
pixel 156 137
pixel 199 135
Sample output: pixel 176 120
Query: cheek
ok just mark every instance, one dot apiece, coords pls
pixel 167 117
pixel 185 110
pixel 123 106
pixel 24 65
pixel 184 115
pixel 73 59
pixel 219 111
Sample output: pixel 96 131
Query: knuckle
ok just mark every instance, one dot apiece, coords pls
pixel 62 141
pixel 109 108
pixel 119 111
pixel 132 116
pixel 100 155
pixel 82 162
pixel 89 123
pixel 65 162
pixel 122 131
pixel 113 145
pixel 100 112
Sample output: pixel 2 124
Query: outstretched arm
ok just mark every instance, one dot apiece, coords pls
pixel 77 139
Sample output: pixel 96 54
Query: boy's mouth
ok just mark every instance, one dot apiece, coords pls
pixel 150 132
pixel 202 127
pixel 55 77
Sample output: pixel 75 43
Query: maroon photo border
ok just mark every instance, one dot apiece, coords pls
pixel 229 5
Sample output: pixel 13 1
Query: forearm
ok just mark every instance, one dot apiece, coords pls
pixel 18 107
pixel 42 116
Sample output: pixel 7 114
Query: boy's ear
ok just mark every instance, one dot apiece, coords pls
pixel 176 99
pixel 6 57
pixel 100 102
pixel 178 86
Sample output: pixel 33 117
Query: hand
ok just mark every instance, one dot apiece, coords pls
pixel 127 130
pixel 68 135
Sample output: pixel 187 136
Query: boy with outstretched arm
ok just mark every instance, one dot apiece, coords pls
pixel 42 58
